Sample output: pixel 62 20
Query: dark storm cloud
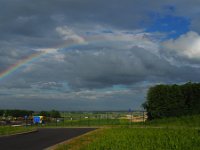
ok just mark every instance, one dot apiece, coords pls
pixel 123 67
pixel 36 18
pixel 110 67
pixel 33 23
pixel 49 13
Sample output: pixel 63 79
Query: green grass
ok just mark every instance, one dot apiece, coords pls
pixel 94 119
pixel 96 122
pixel 146 138
pixel 137 139
pixel 90 122
pixel 163 134
pixel 8 130
pixel 185 121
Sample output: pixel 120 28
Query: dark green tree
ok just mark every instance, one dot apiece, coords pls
pixel 1 112
pixel 55 114
pixel 44 113
pixel 173 100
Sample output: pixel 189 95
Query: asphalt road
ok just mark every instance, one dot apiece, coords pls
pixel 42 139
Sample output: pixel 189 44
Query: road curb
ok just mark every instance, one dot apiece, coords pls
pixel 21 133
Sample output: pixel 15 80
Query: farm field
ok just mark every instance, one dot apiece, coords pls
pixel 97 119
pixel 89 122
pixel 8 130
pixel 171 133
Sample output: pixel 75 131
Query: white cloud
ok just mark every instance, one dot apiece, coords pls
pixel 47 50
pixel 124 39
pixel 24 19
pixel 69 34
pixel 54 54
pixel 187 45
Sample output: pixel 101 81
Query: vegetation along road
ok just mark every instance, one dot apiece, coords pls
pixel 42 139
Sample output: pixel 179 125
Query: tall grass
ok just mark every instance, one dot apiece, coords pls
pixel 146 138
pixel 181 133
pixel 7 130
pixel 184 121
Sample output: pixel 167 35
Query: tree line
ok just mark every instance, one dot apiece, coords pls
pixel 173 100
pixel 23 113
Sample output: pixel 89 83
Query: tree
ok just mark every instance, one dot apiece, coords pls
pixel 173 100
pixel 1 112
pixel 17 113
pixel 55 114
pixel 44 113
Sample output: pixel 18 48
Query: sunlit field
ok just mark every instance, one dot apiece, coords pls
pixel 93 119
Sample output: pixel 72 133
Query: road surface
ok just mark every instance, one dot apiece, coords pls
pixel 42 139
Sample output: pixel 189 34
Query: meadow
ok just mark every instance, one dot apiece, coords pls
pixel 8 130
pixel 183 121
pixel 94 119
pixel 89 123
pixel 161 134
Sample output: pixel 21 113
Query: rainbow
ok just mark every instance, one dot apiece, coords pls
pixel 11 69
pixel 19 64
pixel 25 61
pixel 35 56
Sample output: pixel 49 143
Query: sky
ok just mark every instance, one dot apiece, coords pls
pixel 94 54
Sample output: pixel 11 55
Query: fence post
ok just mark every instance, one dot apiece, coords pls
pixel 88 120
pixel 143 118
pixel 80 121
pixel 131 118
pixel 99 119
pixel 107 117
pixel 71 120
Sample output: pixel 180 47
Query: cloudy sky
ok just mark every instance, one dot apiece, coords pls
pixel 94 54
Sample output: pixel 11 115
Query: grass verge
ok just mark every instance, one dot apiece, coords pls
pixel 9 130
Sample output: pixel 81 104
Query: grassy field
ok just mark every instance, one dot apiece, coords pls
pixel 163 134
pixel 94 119
pixel 185 121
pixel 91 122
pixel 8 130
